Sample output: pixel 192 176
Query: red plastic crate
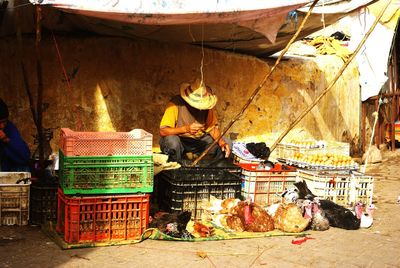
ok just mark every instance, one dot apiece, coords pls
pixel 93 219
pixel 265 187
pixel 135 142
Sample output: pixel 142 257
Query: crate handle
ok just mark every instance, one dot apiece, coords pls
pixel 234 173
pixel 25 180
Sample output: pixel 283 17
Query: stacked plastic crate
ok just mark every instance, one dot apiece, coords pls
pixel 265 186
pixel 14 198
pixel 186 188
pixel 43 203
pixel 329 171
pixel 105 181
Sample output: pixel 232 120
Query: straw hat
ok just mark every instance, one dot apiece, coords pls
pixel 198 95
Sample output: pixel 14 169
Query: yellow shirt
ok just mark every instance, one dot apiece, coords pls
pixel 171 114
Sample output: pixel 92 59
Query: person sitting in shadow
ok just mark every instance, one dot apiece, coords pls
pixel 14 152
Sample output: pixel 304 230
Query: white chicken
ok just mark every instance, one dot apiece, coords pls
pixel 367 216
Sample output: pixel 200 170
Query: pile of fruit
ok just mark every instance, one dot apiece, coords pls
pixel 324 160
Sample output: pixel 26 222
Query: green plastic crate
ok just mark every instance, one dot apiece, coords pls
pixel 106 174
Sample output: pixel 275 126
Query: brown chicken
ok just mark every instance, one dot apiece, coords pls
pixel 253 217
pixel 229 222
pixel 215 208
pixel 288 218
pixel 201 230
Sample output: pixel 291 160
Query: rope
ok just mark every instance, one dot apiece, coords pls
pixel 78 125
pixel 312 105
pixel 257 90
pixel 202 55
pixel 18 6
pixel 323 16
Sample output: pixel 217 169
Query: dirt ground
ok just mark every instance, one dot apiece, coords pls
pixel 378 246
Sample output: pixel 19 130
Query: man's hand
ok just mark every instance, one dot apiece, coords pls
pixel 224 147
pixel 194 128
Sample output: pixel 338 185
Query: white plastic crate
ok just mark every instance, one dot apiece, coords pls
pixel 339 148
pixel 342 187
pixel 287 151
pixel 14 198
pixel 265 187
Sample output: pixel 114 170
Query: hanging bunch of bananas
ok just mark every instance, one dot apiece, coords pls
pixel 330 46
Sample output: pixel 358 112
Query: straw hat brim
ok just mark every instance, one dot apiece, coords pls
pixel 193 98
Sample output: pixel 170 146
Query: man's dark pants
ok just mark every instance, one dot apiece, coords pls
pixel 176 146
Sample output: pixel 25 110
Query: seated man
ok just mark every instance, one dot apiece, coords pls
pixel 190 124
pixel 14 153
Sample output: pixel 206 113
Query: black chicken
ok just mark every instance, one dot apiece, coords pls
pixel 173 224
pixel 338 216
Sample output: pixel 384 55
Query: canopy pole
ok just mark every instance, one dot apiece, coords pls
pixel 257 90
pixel 39 102
pixel 21 62
pixel 312 105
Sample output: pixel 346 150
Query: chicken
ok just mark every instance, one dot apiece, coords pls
pixel 173 224
pixel 319 222
pixel 235 215
pixel 228 204
pixel 338 216
pixel 198 229
pixel 253 217
pixel 214 206
pixel 271 209
pixel 367 217
pixel 290 195
pixel 219 206
pixel 289 218
pixel 230 223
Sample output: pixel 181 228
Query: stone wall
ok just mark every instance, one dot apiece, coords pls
pixel 118 84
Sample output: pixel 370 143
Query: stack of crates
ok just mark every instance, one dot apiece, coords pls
pixel 105 181
pixel 339 181
pixel 344 187
pixel 14 198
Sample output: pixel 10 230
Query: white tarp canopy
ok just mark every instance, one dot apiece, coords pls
pixel 373 57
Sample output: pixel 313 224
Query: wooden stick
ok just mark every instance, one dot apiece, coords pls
pixel 257 90
pixel 312 105
pixel 39 102
pixel 21 61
